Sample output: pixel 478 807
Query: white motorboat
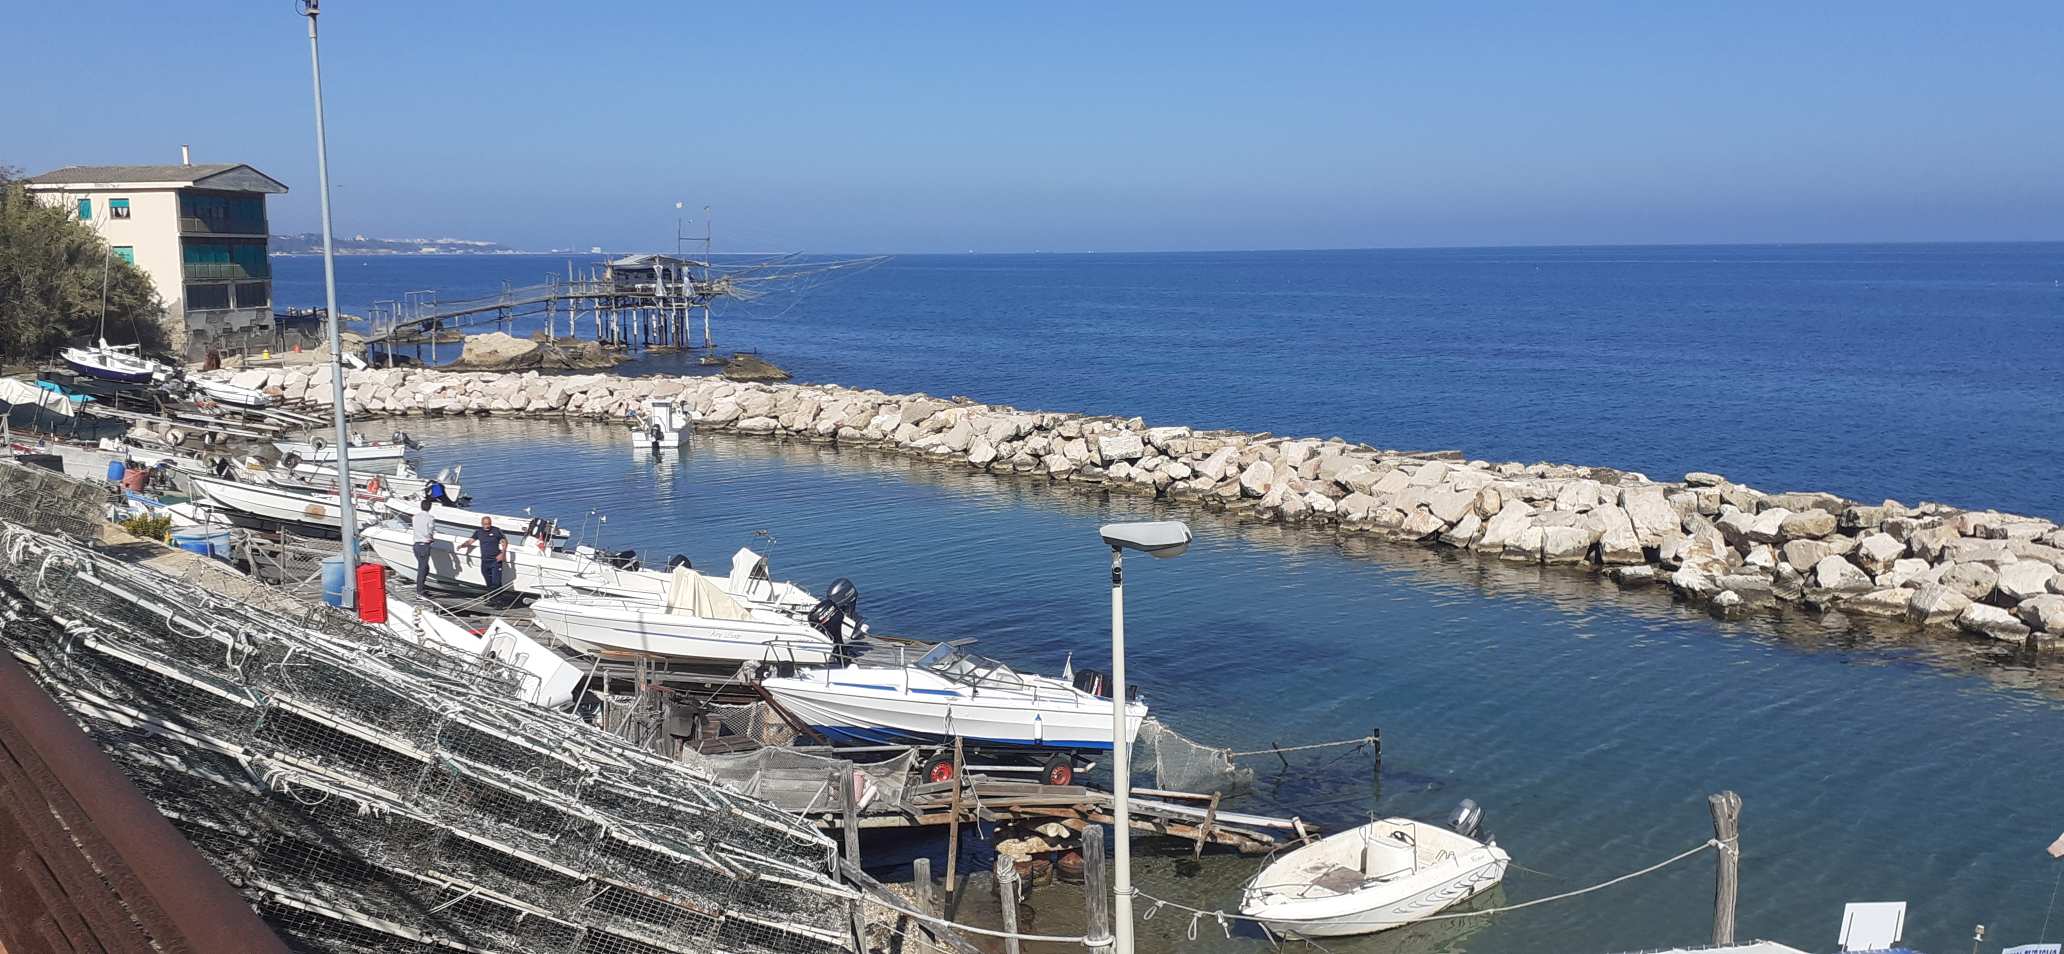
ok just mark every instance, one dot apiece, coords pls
pixel 549 679
pixel 362 451
pixel 463 522
pixel 529 570
pixel 660 423
pixel 1382 875
pixel 697 622
pixel 223 392
pixel 950 693
pixel 404 482
pixel 271 502
pixel 121 363
pixel 750 582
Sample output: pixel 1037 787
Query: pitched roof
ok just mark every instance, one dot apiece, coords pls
pixel 233 175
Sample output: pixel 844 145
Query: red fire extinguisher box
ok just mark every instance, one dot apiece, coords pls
pixel 372 593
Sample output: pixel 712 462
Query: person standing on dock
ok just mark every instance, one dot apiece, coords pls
pixel 494 552
pixel 423 527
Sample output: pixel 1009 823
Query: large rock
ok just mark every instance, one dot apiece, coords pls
pixel 1124 445
pixel 1699 478
pixel 1579 495
pixel 1650 512
pixel 1906 571
pixel 1973 580
pixel 496 351
pixel 1935 605
pixel 1567 544
pixel 1356 507
pixel 1991 621
pixel 1837 574
pixel 2045 612
pixel 1505 526
pixel 2025 579
pixel 1890 602
pixel 1420 524
pixel 1257 478
pixel 1214 467
pixel 1450 504
pixel 1808 524
pixel 1768 526
pixel 1804 554
pixel 1877 552
pixel 1734 526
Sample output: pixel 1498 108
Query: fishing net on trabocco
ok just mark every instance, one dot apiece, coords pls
pixel 1181 765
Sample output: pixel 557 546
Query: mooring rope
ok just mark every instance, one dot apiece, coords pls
pixel 1274 750
pixel 1198 914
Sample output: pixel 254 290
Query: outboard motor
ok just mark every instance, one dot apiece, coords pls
pixel 1467 819
pixel 841 602
pixel 291 461
pixel 402 438
pixel 678 560
pixel 1097 683
pixel 622 559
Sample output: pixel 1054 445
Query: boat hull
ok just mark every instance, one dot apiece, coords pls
pixel 271 503
pixel 856 710
pixel 650 631
pixel 92 370
pixel 1292 896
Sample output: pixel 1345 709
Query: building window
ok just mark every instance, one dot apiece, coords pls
pixel 126 253
pixel 118 208
pixel 85 210
pixel 206 297
pixel 254 294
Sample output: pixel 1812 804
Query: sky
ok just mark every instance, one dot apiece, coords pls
pixel 913 127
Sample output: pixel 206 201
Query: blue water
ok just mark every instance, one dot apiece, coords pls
pixel 1905 371
pixel 1592 724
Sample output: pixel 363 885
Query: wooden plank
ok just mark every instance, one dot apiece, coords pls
pixel 1007 897
pixel 1096 891
pixel 953 830
pixel 1204 833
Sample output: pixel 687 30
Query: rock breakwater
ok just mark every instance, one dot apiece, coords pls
pixel 1727 546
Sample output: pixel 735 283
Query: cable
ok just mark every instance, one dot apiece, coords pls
pixel 1299 748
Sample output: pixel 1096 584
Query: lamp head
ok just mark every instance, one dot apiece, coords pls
pixel 1160 538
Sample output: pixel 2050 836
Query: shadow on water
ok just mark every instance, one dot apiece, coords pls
pixel 1591 722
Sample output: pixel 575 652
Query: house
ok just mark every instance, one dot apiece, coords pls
pixel 198 231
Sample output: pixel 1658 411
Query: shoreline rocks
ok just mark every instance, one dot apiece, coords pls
pixel 1712 541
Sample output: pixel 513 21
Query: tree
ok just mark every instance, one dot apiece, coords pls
pixel 51 269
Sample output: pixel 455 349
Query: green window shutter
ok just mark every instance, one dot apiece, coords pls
pixel 126 253
pixel 118 208
pixel 85 210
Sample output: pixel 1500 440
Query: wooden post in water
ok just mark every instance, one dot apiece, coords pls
pixel 849 810
pixel 1096 891
pixel 1007 896
pixel 1726 808
pixel 1204 832
pixel 953 828
pixel 921 880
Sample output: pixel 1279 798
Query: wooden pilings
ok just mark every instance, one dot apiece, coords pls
pixel 1096 891
pixel 953 827
pixel 1006 872
pixel 1726 808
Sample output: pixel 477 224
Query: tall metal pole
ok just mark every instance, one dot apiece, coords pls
pixel 1121 767
pixel 329 260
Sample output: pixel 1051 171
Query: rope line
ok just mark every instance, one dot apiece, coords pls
pixel 1300 748
pixel 1199 913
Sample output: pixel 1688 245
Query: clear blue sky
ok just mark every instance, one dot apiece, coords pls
pixel 995 127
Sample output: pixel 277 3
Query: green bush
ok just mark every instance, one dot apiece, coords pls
pixel 148 526
pixel 50 279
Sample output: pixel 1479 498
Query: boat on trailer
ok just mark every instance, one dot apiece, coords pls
pixel 123 364
pixel 952 693
pixel 223 392
pixel 1382 875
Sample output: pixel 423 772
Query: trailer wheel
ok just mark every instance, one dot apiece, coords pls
pixel 939 768
pixel 1058 770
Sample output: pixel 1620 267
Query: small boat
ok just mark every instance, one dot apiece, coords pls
pixel 659 423
pixel 404 482
pixel 223 392
pixel 696 622
pixel 1382 875
pixel 549 680
pixel 272 503
pixel 463 522
pixel 950 693
pixel 362 451
pixel 124 364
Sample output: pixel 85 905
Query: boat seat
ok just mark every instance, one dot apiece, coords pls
pixel 1339 880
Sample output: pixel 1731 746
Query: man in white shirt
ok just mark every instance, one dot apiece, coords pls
pixel 425 527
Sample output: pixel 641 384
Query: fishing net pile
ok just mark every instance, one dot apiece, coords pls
pixel 366 794
pixel 1183 765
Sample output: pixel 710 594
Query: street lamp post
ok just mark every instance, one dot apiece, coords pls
pixel 1161 539
pixel 349 519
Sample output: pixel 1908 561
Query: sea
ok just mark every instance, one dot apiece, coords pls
pixel 1591 723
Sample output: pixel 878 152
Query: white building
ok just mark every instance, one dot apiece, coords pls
pixel 198 231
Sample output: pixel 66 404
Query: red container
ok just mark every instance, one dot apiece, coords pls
pixel 372 593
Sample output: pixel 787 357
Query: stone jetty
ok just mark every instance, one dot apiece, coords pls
pixel 1727 546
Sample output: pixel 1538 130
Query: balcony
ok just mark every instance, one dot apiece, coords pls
pixel 225 271
pixel 189 225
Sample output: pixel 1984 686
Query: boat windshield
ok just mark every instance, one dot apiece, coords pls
pixel 959 665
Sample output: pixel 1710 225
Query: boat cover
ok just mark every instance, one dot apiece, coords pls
pixel 17 391
pixel 747 566
pixel 693 594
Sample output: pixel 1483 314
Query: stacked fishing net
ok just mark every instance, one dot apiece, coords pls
pixel 367 794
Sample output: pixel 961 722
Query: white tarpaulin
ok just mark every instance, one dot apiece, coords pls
pixel 18 391
pixel 692 593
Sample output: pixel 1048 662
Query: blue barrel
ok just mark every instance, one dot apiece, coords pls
pixel 206 541
pixel 115 470
pixel 333 580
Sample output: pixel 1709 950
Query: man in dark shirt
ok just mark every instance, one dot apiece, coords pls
pixel 494 552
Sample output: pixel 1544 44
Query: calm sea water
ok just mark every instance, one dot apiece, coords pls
pixel 1905 371
pixel 1591 724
